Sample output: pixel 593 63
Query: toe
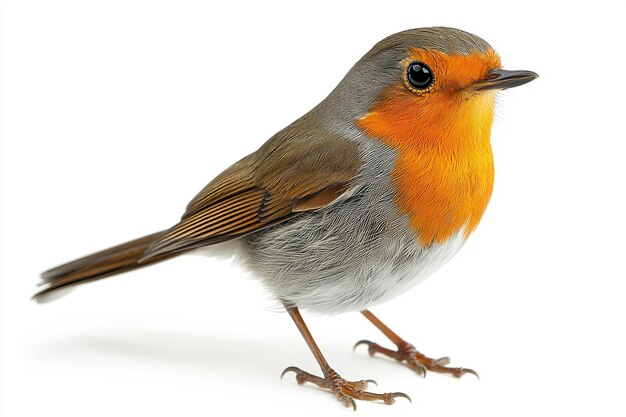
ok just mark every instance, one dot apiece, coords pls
pixel 363 384
pixel 347 401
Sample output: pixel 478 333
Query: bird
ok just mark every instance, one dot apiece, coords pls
pixel 353 203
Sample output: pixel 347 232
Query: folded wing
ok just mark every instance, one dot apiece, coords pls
pixel 292 173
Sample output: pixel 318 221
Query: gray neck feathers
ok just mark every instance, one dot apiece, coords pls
pixel 380 68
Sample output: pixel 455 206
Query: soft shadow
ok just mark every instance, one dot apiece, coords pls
pixel 216 354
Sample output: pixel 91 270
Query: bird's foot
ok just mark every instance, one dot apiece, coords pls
pixel 345 391
pixel 418 362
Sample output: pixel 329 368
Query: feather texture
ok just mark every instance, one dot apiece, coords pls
pixel 296 171
pixel 112 261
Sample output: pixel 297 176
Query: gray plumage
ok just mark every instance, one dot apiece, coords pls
pixel 358 252
pixel 355 250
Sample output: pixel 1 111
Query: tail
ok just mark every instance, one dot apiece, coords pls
pixel 116 260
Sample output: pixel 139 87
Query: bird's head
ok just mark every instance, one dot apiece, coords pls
pixel 426 86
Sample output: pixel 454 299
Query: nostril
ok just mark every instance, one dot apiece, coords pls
pixel 494 73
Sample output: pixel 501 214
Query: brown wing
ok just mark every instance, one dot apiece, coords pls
pixel 292 173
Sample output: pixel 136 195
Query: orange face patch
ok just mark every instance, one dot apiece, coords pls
pixel 444 171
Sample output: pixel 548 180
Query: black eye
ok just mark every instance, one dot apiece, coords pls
pixel 419 75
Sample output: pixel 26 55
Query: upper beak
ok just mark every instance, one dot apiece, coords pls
pixel 499 79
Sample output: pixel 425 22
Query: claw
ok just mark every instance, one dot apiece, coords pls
pixel 391 398
pixel 293 369
pixel 471 372
pixel 370 381
pixel 402 395
pixel 419 369
pixel 363 384
pixel 352 402
pixel 362 342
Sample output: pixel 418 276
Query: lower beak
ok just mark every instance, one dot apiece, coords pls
pixel 499 79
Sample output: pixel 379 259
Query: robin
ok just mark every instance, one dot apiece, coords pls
pixel 356 201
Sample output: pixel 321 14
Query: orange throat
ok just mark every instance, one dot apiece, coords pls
pixel 444 170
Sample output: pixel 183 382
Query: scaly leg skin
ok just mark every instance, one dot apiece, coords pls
pixel 408 354
pixel 345 391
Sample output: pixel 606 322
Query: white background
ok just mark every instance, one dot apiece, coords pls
pixel 115 113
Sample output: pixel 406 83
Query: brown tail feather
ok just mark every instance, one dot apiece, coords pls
pixel 113 261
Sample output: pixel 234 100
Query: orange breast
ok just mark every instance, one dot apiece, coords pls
pixel 444 171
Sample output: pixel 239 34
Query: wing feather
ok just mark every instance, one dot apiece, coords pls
pixel 292 173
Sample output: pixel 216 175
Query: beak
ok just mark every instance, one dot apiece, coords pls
pixel 499 79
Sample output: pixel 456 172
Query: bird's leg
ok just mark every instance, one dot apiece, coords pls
pixel 407 353
pixel 345 391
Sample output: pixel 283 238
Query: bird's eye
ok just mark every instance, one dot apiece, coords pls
pixel 419 75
